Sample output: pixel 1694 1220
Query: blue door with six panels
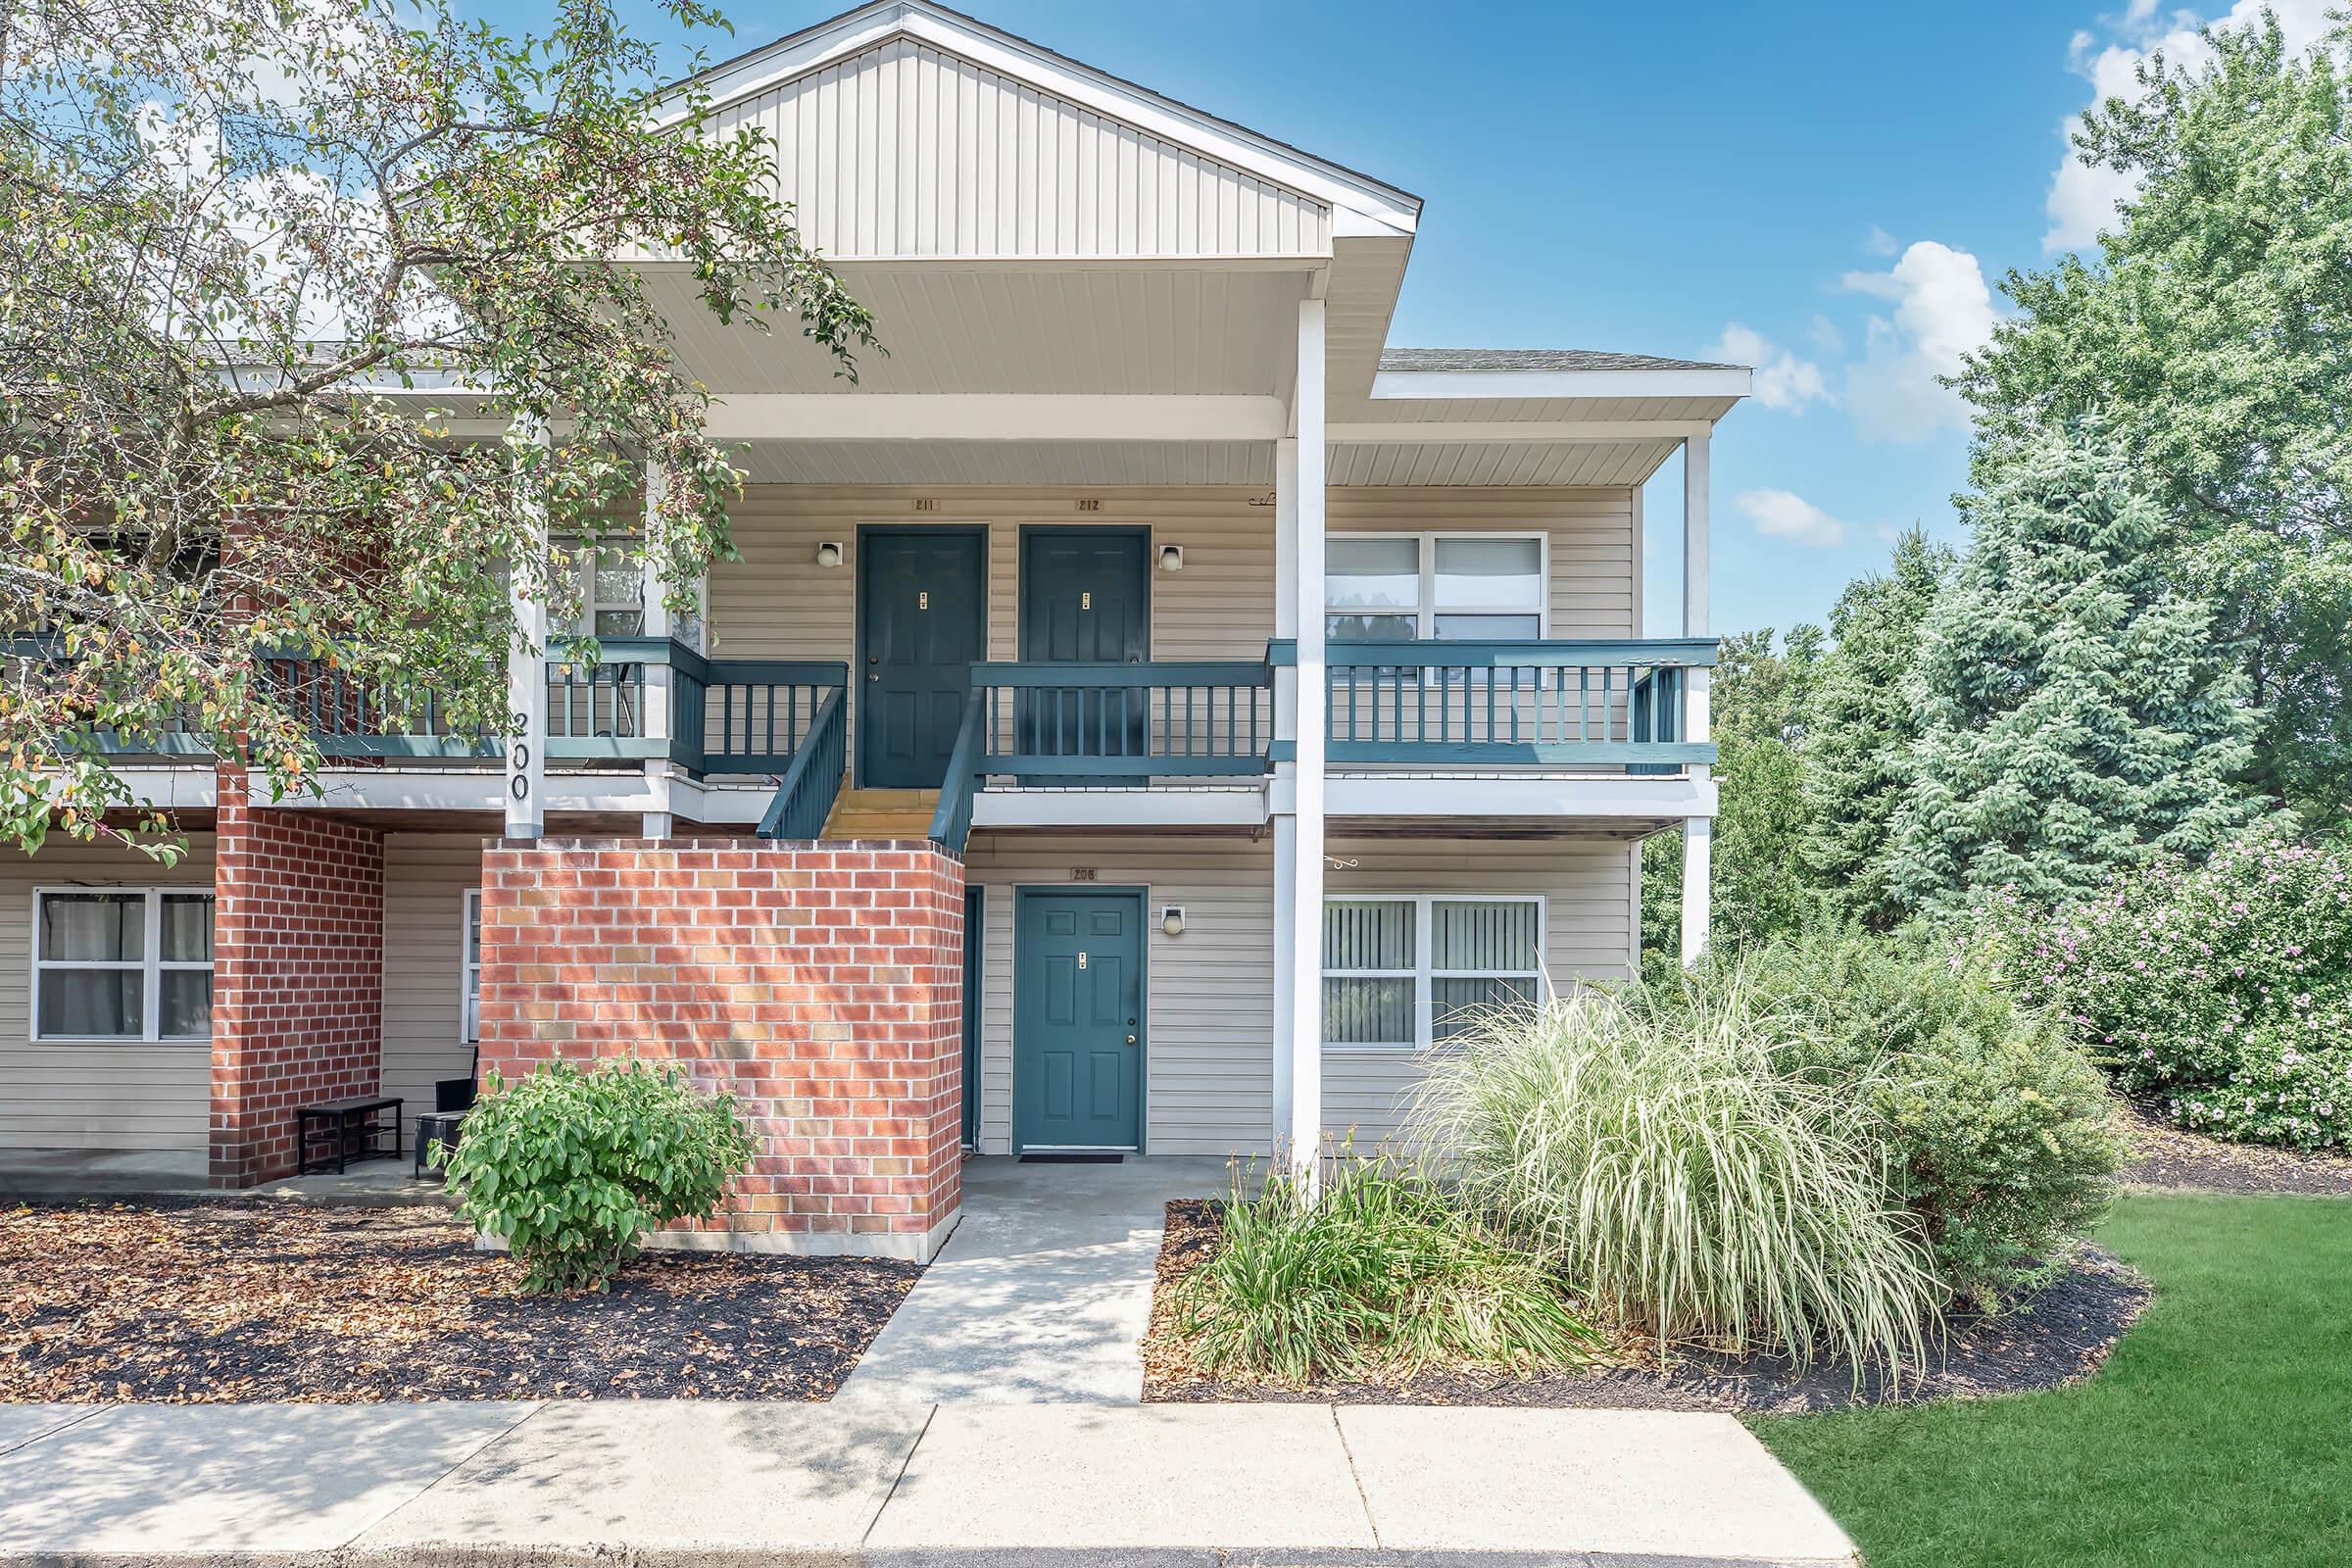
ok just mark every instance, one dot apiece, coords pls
pixel 1078 1020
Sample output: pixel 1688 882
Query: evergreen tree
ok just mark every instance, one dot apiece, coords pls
pixel 2213 333
pixel 1859 734
pixel 2075 712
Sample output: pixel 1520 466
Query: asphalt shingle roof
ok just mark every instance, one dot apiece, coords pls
pixel 1536 360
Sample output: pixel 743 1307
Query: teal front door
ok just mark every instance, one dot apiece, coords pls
pixel 1078 1020
pixel 922 609
pixel 1086 599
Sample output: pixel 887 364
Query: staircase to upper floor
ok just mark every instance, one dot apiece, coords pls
pixel 881 815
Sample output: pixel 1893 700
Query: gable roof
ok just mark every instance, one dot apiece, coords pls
pixel 1362 204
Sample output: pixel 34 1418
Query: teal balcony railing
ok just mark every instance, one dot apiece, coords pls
pixel 726 716
pixel 1571 703
pixel 1105 724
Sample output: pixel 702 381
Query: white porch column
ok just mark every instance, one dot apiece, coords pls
pixel 1285 775
pixel 654 719
pixel 526 654
pixel 1699 832
pixel 1303 935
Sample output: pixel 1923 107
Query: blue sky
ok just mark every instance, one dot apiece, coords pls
pixel 1832 189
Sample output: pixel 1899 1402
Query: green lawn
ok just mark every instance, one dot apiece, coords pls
pixel 2218 1436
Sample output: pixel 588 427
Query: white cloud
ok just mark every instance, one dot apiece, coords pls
pixel 2082 199
pixel 1785 514
pixel 1782 380
pixel 1942 312
pixel 1880 243
pixel 1825 334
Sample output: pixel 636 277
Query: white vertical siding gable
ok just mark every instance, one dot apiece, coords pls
pixel 903 150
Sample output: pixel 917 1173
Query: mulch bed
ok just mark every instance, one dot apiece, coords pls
pixel 207 1299
pixel 2058 1336
pixel 2169 1156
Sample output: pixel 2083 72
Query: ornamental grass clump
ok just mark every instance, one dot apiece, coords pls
pixel 2220 991
pixel 1372 1274
pixel 1655 1153
pixel 570 1167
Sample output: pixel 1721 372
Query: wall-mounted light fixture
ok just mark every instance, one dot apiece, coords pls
pixel 1171 557
pixel 829 554
pixel 1171 920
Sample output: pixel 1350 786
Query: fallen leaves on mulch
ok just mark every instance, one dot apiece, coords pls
pixel 2060 1335
pixel 2169 1156
pixel 233 1301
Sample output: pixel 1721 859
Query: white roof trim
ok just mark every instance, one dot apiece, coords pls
pixel 1726 382
pixel 1513 432
pixel 1384 207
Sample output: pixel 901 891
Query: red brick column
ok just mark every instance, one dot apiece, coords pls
pixel 298 959
pixel 822 985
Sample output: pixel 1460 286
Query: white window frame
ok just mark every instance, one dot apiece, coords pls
pixel 469 966
pixel 1424 973
pixel 152 965
pixel 1426 608
pixel 584 556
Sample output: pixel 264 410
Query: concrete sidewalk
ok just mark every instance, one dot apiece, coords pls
pixel 1042 1294
pixel 709 1483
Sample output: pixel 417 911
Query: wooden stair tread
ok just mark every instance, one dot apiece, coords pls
pixel 881 815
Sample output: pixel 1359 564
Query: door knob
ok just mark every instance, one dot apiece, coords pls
pixel 876 679
pixel 1131 1040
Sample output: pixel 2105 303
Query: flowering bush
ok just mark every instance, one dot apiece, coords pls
pixel 2221 992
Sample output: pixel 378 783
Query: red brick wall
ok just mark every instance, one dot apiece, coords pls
pixel 820 984
pixel 298 960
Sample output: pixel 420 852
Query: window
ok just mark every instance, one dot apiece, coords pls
pixel 469 963
pixel 612 584
pixel 1402 587
pixel 122 964
pixel 1402 972
pixel 612 594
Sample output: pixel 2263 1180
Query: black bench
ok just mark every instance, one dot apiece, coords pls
pixel 345 1130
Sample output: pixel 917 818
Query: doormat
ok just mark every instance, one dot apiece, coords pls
pixel 1071 1159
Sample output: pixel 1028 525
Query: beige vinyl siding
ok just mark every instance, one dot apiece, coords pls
pixel 1209 1084
pixel 778 602
pixel 1209 1068
pixel 426 879
pixel 148 1098
pixel 1588 903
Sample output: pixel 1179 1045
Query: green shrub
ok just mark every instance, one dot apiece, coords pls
pixel 1374 1274
pixel 2221 992
pixel 570 1167
pixel 2000 1132
pixel 1650 1146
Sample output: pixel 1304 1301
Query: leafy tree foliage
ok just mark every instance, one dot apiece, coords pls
pixel 1861 729
pixel 276 279
pixel 2216 338
pixel 1758 702
pixel 2076 713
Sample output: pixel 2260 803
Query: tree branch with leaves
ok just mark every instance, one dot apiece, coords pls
pixel 276 281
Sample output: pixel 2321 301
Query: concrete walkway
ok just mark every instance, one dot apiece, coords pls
pixel 720 1483
pixel 1041 1294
